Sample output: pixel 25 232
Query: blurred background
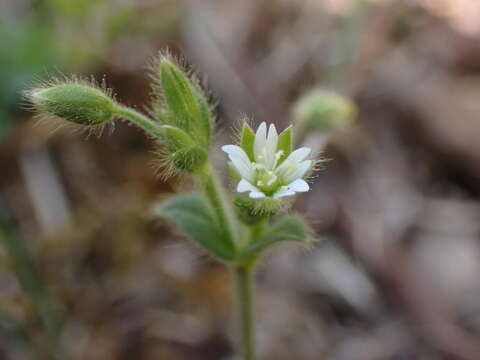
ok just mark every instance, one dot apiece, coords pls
pixel 394 272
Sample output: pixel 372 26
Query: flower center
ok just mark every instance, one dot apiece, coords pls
pixel 265 179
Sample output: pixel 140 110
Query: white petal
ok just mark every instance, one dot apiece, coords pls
pixel 245 170
pixel 299 185
pixel 240 160
pixel 260 141
pixel 299 154
pixel 283 192
pixel 271 146
pixel 244 185
pixel 293 160
pixel 297 172
pixel 257 195
pixel 234 150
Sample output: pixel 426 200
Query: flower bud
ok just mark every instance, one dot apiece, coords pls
pixel 75 102
pixel 184 104
pixel 322 110
pixel 185 154
pixel 189 159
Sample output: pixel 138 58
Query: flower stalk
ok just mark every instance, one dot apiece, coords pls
pixel 147 124
pixel 218 199
pixel 245 310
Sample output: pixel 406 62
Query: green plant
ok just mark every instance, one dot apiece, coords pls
pixel 235 230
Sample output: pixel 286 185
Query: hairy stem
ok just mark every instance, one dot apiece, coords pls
pixel 219 201
pixel 140 120
pixel 245 312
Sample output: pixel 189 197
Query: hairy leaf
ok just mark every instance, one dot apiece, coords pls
pixel 288 228
pixel 193 215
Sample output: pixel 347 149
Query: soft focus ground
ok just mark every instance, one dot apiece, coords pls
pixel 394 273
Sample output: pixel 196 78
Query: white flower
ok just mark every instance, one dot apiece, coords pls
pixel 266 175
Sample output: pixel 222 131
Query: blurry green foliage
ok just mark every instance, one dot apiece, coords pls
pixel 73 9
pixel 26 49
pixel 323 110
pixel 55 36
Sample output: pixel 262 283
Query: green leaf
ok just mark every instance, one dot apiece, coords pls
pixel 285 143
pixel 247 140
pixel 193 215
pixel 287 228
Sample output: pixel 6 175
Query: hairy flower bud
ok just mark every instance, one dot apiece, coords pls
pixel 76 102
pixel 185 154
pixel 180 102
pixel 189 159
pixel 322 110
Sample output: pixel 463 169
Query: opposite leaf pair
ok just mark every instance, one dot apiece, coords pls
pixel 193 215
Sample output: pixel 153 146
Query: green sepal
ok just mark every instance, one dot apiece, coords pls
pixel 287 228
pixel 285 143
pixel 252 211
pixel 247 140
pixel 232 171
pixel 192 214
pixel 247 211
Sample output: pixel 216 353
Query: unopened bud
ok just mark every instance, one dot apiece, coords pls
pixel 75 102
pixel 189 159
pixel 184 103
pixel 323 110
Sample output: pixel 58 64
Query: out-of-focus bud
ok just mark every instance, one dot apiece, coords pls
pixel 76 102
pixel 189 159
pixel 180 102
pixel 183 151
pixel 324 111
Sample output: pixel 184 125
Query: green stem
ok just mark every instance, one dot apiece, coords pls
pixel 219 201
pixel 244 298
pixel 140 120
pixel 257 230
